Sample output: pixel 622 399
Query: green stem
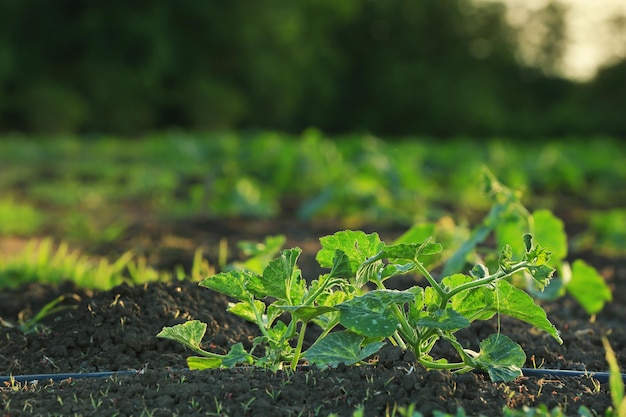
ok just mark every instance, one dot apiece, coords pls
pixel 405 330
pixel 432 281
pixel 437 365
pixel 484 281
pixel 207 354
pixel 398 338
pixel 296 356
pixel 258 318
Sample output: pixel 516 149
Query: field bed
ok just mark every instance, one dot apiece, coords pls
pixel 114 330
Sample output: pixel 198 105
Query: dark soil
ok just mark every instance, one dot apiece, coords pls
pixel 116 331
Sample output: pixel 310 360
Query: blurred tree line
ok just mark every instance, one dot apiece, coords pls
pixel 393 67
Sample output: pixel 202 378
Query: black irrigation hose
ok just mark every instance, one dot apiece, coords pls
pixel 599 376
pixel 61 377
pixel 602 377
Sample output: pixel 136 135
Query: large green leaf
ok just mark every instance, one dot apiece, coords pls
pixel 189 334
pixel 588 287
pixel 233 284
pixel 369 314
pixel 340 347
pixel 500 357
pixel 357 246
pixel 516 303
pixel 281 279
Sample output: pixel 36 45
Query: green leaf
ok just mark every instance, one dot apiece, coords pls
pixel 479 271
pixel 306 313
pixel 411 251
pixel 588 287
pixel 505 261
pixel 341 265
pixel 516 303
pixel 245 311
pixel 281 279
pixel 237 355
pixel 232 284
pixel 549 230
pixel 369 315
pixel 189 334
pixel 542 275
pixel 392 270
pixel 340 347
pixel 528 242
pixel 446 320
pixel 357 246
pixel 473 304
pixel 500 357
pixel 198 363
pixel 416 306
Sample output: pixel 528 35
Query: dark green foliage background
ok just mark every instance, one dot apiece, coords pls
pixel 391 67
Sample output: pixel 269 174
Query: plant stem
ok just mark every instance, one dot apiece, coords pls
pixel 432 281
pixel 405 330
pixel 437 365
pixel 499 274
pixel 258 319
pixel 296 356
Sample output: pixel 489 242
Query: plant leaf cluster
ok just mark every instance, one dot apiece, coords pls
pixel 356 320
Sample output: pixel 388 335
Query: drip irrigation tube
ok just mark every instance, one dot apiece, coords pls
pixel 602 377
pixel 599 376
pixel 61 377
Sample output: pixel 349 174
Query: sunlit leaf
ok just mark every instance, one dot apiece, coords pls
pixel 245 311
pixel 357 246
pixel 280 278
pixel 233 284
pixel 189 333
pixel 588 287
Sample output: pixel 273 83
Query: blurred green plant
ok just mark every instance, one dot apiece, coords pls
pixel 616 382
pixel 44 262
pixel 19 218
